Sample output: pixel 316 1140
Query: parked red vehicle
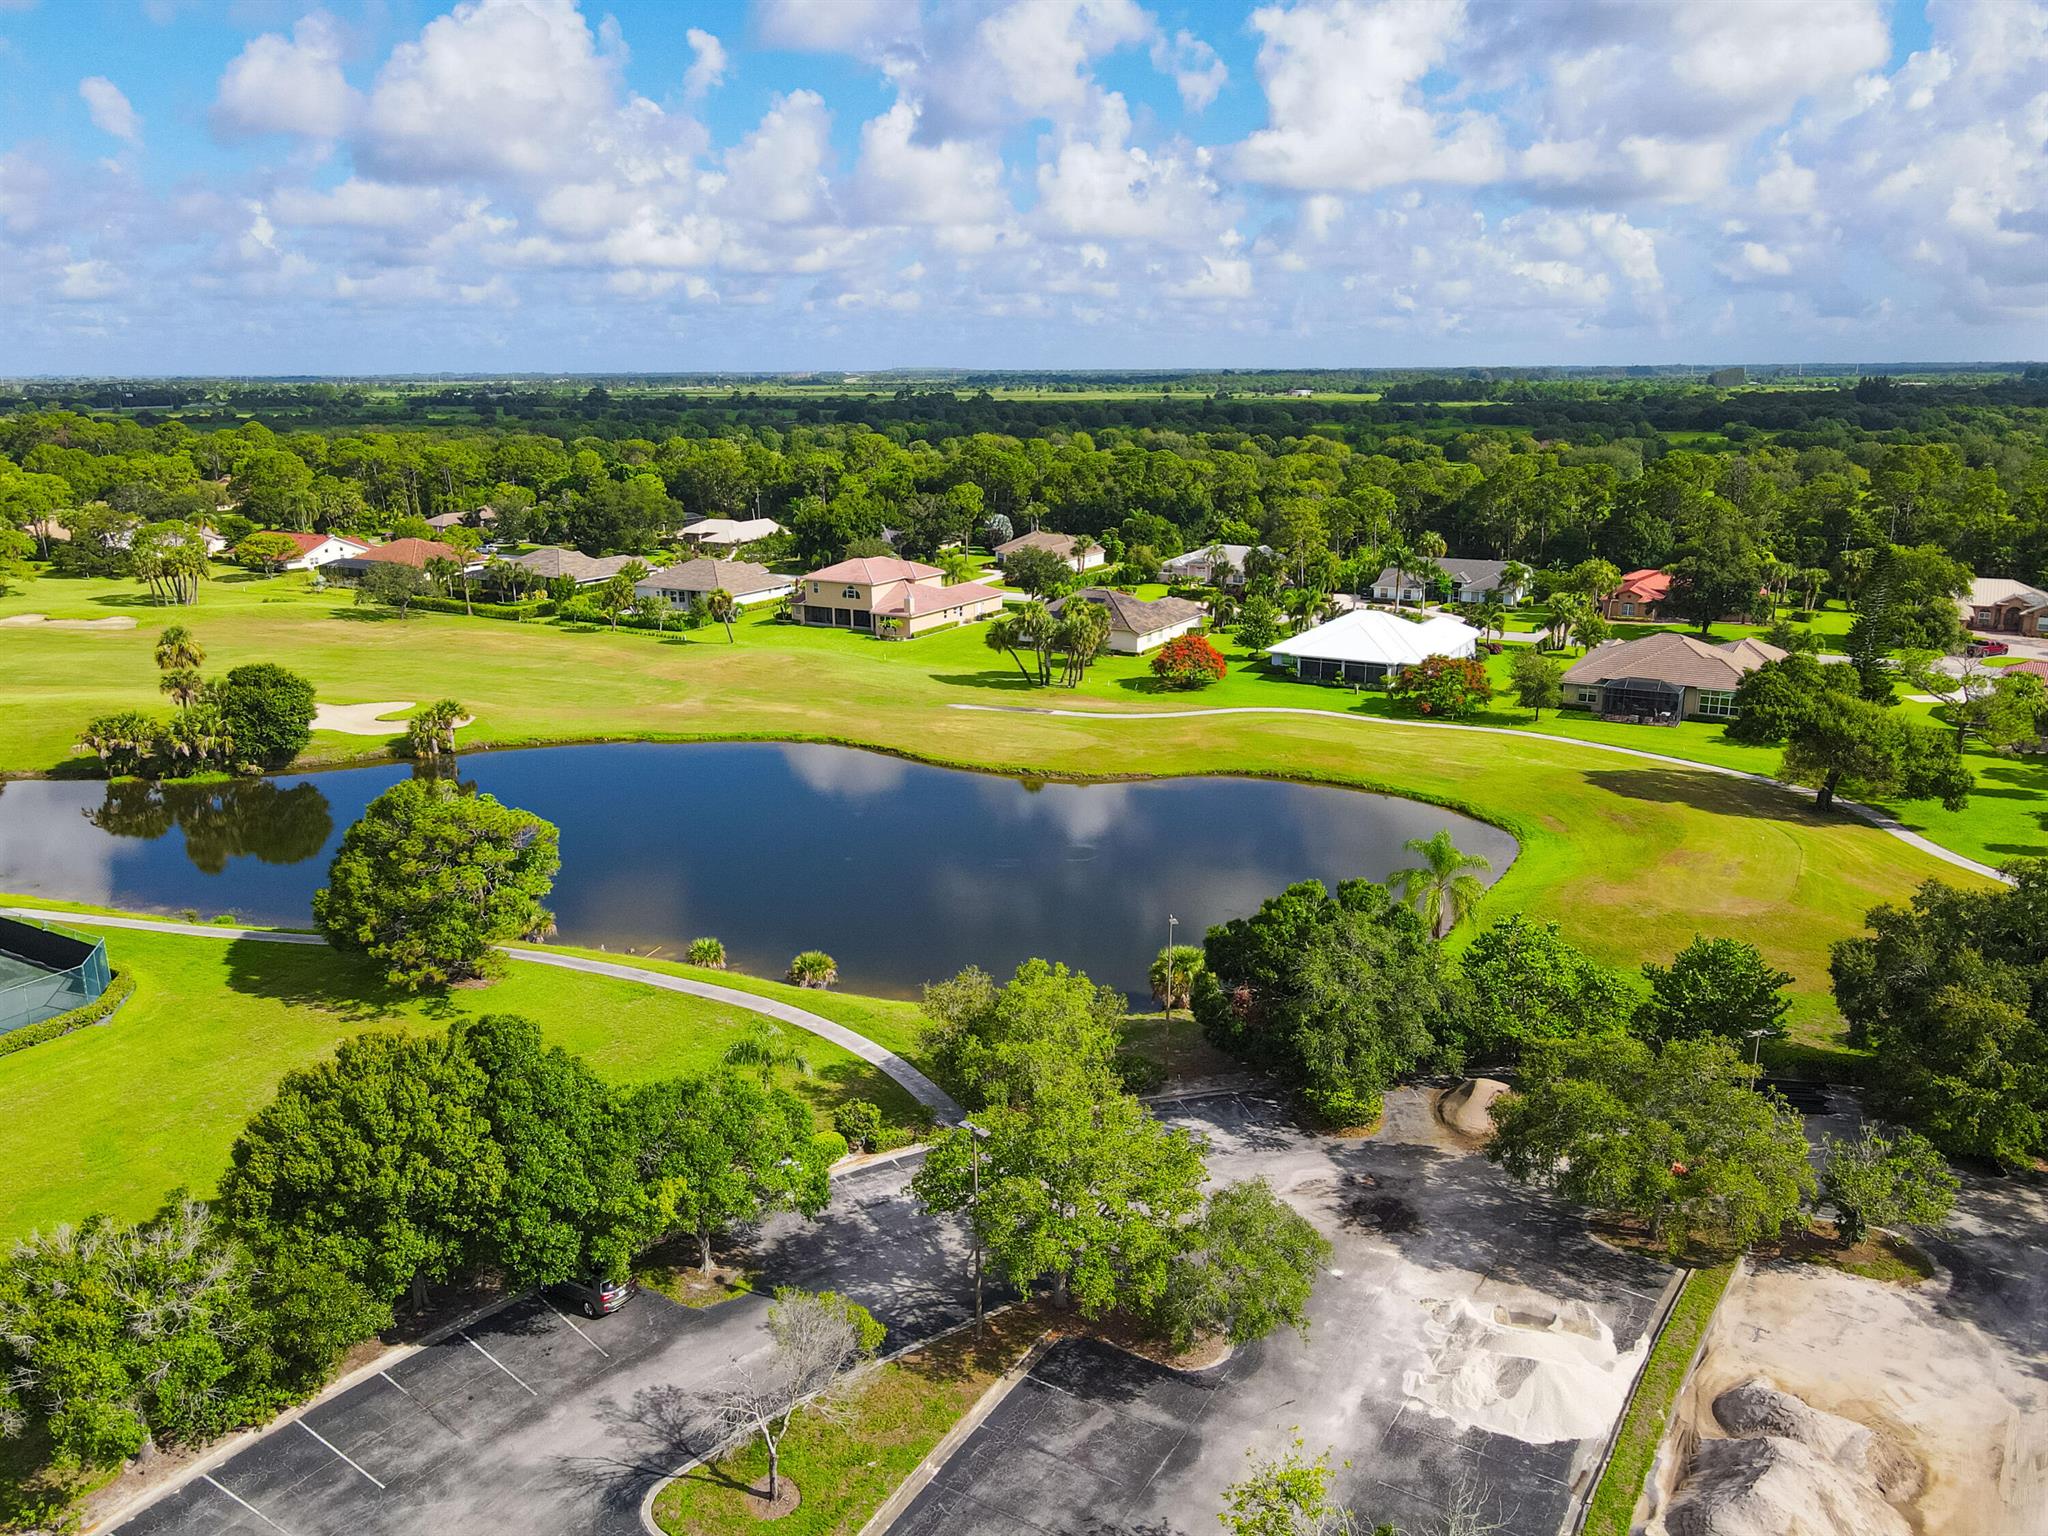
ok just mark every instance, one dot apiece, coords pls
pixel 1988 648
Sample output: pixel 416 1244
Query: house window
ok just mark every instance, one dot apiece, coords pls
pixel 1717 704
pixel 1628 610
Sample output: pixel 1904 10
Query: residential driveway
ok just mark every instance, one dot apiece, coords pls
pixel 534 1422
pixel 1433 1247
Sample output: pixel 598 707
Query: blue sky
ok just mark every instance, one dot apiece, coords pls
pixel 260 186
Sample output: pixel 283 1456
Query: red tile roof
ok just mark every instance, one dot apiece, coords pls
pixel 413 552
pixel 875 572
pixel 1648 586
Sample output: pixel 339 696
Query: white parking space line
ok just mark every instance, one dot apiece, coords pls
pixel 501 1365
pixel 426 1408
pixel 344 1455
pixel 565 1317
pixel 208 1478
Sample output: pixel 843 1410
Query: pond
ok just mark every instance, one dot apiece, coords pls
pixel 903 873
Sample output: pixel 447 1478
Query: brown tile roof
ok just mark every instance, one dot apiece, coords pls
pixel 739 577
pixel 1134 615
pixel 550 562
pixel 875 571
pixel 1672 658
pixel 1061 544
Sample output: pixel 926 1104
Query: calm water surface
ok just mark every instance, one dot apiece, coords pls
pixel 902 872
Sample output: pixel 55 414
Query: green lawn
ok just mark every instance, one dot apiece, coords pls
pixel 1631 858
pixel 1642 1425
pixel 110 1118
pixel 845 1471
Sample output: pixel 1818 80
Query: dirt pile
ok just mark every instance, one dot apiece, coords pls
pixel 1787 1469
pixel 1465 1108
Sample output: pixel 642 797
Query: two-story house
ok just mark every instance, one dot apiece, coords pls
pixel 892 598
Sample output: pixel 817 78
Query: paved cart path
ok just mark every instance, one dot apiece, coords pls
pixel 920 1087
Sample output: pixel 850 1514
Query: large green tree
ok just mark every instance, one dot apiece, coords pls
pixel 1334 994
pixel 1949 993
pixel 1676 1137
pixel 726 1150
pixel 432 879
pixel 1246 1268
pixel 1528 983
pixel 1714 987
pixel 986 1040
pixel 267 711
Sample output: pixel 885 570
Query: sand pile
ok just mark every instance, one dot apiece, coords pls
pixel 1788 1469
pixel 1535 1377
pixel 1465 1108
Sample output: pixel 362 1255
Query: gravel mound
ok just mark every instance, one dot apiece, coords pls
pixel 1788 1469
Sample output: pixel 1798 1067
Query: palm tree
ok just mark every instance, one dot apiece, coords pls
pixel 766 1047
pixel 1083 548
pixel 1444 888
pixel 958 565
pixel 813 968
pixel 1491 616
pixel 1400 557
pixel 179 657
pixel 719 604
pixel 1429 549
pixel 1173 975
pixel 709 953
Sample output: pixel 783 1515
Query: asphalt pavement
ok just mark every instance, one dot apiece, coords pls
pixel 536 1423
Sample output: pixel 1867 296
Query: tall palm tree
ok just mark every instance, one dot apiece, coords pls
pixel 721 607
pixel 764 1046
pixel 1400 557
pixel 1445 887
pixel 179 657
pixel 1430 548
pixel 1491 617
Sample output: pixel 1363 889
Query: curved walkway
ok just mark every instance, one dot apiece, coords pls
pixel 1880 819
pixel 914 1082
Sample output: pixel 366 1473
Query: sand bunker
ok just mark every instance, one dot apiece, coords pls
pixel 368 719
pixel 16 620
pixel 1465 1108
pixel 1534 1377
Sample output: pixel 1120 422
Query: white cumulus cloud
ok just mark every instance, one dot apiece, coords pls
pixel 110 109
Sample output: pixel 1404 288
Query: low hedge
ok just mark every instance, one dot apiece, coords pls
pixel 101 1007
pixel 513 611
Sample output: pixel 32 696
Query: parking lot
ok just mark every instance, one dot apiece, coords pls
pixel 532 1421
pixel 1432 1244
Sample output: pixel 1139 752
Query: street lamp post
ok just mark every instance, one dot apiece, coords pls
pixel 975 1137
pixel 1172 923
pixel 1756 1049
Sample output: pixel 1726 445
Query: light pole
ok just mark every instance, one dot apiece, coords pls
pixel 1172 923
pixel 1756 1050
pixel 975 1137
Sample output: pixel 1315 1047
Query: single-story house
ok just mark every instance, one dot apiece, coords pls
pixel 1640 596
pixel 864 593
pixel 1664 678
pixel 1368 645
pixel 412 552
pixel 729 532
pixel 1203 566
pixel 688 584
pixel 1062 544
pixel 550 563
pixel 318 549
pixel 1136 626
pixel 1998 605
pixel 479 517
pixel 214 541
pixel 1471 581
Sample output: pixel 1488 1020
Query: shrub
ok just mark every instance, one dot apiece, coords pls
pixel 1886 1181
pixel 126 741
pixel 1189 661
pixel 860 1122
pixel 813 968
pixel 831 1146
pixel 119 990
pixel 1443 687
pixel 709 953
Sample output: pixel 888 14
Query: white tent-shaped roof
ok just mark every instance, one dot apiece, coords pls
pixel 1380 639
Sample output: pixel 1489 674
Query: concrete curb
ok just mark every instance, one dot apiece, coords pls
pixel 935 1459
pixel 946 1443
pixel 1891 826
pixel 242 1439
pixel 912 1081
